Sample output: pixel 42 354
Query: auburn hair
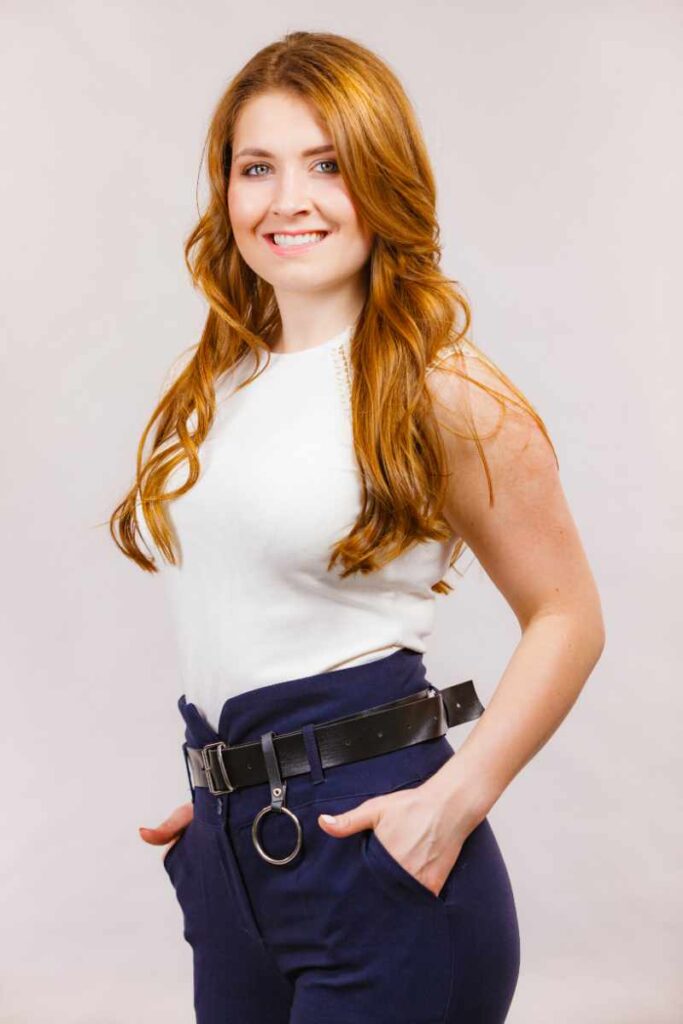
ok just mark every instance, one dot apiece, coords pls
pixel 413 317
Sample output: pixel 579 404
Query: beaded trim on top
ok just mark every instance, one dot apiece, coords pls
pixel 342 364
pixel 342 371
pixel 343 368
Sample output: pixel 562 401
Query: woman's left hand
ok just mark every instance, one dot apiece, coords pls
pixel 422 828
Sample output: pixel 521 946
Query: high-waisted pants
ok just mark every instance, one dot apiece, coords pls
pixel 342 933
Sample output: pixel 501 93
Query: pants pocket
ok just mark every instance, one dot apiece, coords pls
pixel 391 873
pixel 183 866
pixel 169 857
pixel 381 862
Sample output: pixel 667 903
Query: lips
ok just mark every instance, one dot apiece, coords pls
pixel 292 249
pixel 270 235
pixel 308 231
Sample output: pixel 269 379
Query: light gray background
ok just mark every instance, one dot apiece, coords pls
pixel 555 133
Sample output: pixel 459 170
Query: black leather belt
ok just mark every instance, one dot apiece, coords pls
pixel 424 715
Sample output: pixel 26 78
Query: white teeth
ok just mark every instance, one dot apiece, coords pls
pixel 286 240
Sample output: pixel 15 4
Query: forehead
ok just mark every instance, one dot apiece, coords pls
pixel 279 120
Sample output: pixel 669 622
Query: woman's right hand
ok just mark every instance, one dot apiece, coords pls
pixel 170 830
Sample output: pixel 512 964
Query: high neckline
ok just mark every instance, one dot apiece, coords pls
pixel 337 339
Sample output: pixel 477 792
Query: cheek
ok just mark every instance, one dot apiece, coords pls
pixel 244 208
pixel 346 215
pixel 358 237
pixel 343 210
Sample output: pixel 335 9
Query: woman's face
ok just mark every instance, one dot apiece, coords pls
pixel 279 187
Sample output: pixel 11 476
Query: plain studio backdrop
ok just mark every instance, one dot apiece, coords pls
pixel 554 130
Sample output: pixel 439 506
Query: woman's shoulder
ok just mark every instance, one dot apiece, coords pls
pixel 467 388
pixel 475 402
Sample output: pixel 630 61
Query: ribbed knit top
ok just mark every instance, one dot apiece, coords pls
pixel 252 599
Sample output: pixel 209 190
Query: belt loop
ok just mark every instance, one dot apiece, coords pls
pixel 278 788
pixel 278 792
pixel 317 773
pixel 187 769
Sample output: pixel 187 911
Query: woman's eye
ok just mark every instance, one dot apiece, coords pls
pixel 252 167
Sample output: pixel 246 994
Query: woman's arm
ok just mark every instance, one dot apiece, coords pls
pixel 529 546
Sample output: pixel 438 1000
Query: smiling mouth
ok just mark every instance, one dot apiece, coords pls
pixel 289 240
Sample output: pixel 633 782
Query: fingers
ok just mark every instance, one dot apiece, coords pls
pixel 365 815
pixel 169 829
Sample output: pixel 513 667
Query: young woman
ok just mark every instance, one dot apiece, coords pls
pixel 327 452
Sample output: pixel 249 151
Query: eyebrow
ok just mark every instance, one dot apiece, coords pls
pixel 315 151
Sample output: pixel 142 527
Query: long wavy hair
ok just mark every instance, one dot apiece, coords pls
pixel 412 312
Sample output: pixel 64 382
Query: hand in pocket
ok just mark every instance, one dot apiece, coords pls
pixel 169 831
pixel 417 826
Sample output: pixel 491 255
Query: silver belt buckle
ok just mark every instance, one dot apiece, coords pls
pixel 219 747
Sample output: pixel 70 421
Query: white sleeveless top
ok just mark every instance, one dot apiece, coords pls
pixel 251 597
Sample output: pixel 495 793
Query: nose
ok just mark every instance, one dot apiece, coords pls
pixel 291 194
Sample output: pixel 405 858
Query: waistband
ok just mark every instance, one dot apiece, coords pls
pixel 293 703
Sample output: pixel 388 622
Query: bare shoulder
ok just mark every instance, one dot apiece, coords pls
pixel 496 443
pixel 473 398
pixel 504 494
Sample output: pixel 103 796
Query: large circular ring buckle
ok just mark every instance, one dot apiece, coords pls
pixel 257 844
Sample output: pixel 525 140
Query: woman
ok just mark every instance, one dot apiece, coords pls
pixel 330 447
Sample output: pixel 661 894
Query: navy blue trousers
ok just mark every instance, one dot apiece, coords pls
pixel 343 932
